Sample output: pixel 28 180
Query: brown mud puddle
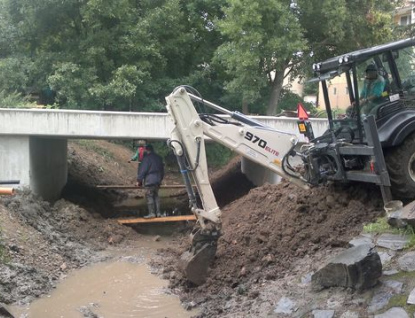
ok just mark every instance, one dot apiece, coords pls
pixel 123 287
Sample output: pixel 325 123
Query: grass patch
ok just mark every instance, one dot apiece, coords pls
pixel 400 301
pixel 381 226
pixel 406 276
pixel 92 146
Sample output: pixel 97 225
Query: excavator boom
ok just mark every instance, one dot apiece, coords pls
pixel 249 138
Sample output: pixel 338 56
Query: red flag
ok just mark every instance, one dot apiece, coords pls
pixel 301 112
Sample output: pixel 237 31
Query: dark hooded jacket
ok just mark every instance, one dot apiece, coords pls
pixel 151 170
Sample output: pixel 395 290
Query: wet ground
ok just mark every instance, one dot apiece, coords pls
pixel 122 287
pixel 272 237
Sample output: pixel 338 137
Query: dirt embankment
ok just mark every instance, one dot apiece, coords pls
pixel 44 241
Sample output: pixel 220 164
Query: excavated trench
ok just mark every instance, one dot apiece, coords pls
pixel 228 184
pixel 270 234
pixel 102 279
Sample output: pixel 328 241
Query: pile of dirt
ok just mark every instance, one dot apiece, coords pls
pixel 268 229
pixel 272 228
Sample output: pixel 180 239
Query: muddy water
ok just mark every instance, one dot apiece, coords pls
pixel 121 288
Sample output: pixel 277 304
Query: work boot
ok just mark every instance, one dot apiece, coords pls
pixel 157 206
pixel 151 211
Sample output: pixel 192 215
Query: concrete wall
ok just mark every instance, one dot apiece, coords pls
pixel 84 124
pixel 257 174
pixel 38 163
pixel 14 158
pixel 48 166
pixel 112 125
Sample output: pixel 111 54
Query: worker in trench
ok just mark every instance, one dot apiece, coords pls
pixel 150 175
pixel 139 154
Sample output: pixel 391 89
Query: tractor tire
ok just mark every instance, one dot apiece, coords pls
pixel 400 162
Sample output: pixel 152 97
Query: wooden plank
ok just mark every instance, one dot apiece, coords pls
pixel 180 186
pixel 158 220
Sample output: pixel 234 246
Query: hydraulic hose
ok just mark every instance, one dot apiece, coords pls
pixel 181 160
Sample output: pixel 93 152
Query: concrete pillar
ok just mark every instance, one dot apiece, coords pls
pixel 14 159
pixel 258 174
pixel 48 166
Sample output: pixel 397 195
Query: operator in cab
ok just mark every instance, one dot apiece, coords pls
pixel 371 94
pixel 372 91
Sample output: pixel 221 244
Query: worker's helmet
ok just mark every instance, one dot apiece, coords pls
pixel 371 71
pixel 142 142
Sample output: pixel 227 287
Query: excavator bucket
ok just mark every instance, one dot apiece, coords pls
pixel 195 265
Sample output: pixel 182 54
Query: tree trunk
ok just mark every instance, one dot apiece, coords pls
pixel 275 93
pixel 245 109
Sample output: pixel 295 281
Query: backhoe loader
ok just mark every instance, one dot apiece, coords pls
pixel 376 147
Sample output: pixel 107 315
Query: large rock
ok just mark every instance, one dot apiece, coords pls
pixel 407 262
pixel 395 242
pixel 402 216
pixel 394 312
pixel 359 268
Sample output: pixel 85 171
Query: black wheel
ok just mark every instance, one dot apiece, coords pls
pixel 400 162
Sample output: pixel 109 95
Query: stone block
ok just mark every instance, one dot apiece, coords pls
pixel 359 268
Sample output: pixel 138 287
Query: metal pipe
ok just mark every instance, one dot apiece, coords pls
pixel 9 181
pixel 6 191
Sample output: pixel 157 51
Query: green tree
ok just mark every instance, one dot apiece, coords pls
pixel 99 54
pixel 290 101
pixel 264 41
pixel 334 27
pixel 129 54
pixel 270 40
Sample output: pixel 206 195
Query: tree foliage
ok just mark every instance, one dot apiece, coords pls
pixel 275 39
pixel 129 54
pixel 263 39
pixel 96 54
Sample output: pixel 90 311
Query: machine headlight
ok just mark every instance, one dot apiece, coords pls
pixel 316 66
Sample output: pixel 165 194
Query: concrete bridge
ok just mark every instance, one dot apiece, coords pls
pixel 33 142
